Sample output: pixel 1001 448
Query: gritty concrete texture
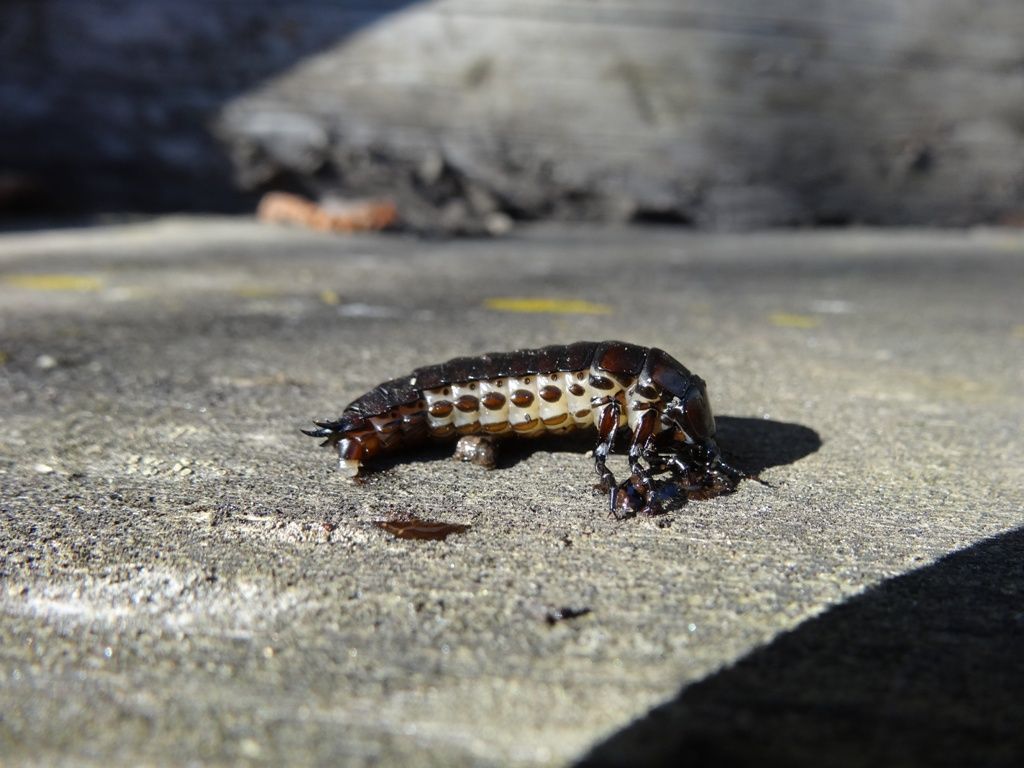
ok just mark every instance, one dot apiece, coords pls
pixel 186 579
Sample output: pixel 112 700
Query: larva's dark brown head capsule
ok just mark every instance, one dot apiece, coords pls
pixel 697 416
pixel 685 398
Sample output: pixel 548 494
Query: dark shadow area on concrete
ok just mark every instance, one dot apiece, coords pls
pixel 110 105
pixel 925 669
pixel 755 445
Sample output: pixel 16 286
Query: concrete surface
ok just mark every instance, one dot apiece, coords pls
pixel 185 579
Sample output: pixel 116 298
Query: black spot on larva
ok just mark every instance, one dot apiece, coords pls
pixel 649 393
pixel 467 403
pixel 601 382
pixel 522 398
pixel 440 409
pixel 576 390
pixel 550 393
pixel 493 401
pixel 443 431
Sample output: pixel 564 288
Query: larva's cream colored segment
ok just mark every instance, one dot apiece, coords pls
pixel 579 404
pixel 525 417
pixel 554 413
pixel 616 390
pixel 437 399
pixel 494 421
pixel 465 419
pixel 636 406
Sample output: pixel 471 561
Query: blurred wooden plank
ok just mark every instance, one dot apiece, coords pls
pixel 732 113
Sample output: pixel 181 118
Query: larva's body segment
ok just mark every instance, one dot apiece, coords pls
pixel 606 386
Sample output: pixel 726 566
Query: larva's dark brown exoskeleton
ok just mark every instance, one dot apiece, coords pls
pixel 610 386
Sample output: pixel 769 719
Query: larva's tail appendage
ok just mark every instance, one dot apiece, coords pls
pixel 323 429
pixel 349 451
pixel 335 430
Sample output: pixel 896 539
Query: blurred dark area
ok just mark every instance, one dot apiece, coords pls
pixel 113 104
pixel 470 116
pixel 923 669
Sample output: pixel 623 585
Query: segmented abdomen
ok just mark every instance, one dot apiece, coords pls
pixel 527 405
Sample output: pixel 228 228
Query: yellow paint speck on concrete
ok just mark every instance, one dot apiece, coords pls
pixel 70 283
pixel 789 320
pixel 257 291
pixel 330 297
pixel 547 306
pixel 1018 331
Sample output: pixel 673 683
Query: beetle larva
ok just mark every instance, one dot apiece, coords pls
pixel 611 387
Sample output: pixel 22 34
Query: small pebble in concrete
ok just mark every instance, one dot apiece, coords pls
pixel 556 615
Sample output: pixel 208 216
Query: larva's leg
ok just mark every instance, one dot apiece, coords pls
pixel 704 473
pixel 606 428
pixel 690 477
pixel 477 449
pixel 643 442
pixel 686 478
pixel 655 460
pixel 627 500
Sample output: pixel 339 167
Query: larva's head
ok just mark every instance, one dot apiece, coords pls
pixel 690 413
pixel 697 415
pixel 686 406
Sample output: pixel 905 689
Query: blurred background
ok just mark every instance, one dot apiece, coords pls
pixel 471 115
